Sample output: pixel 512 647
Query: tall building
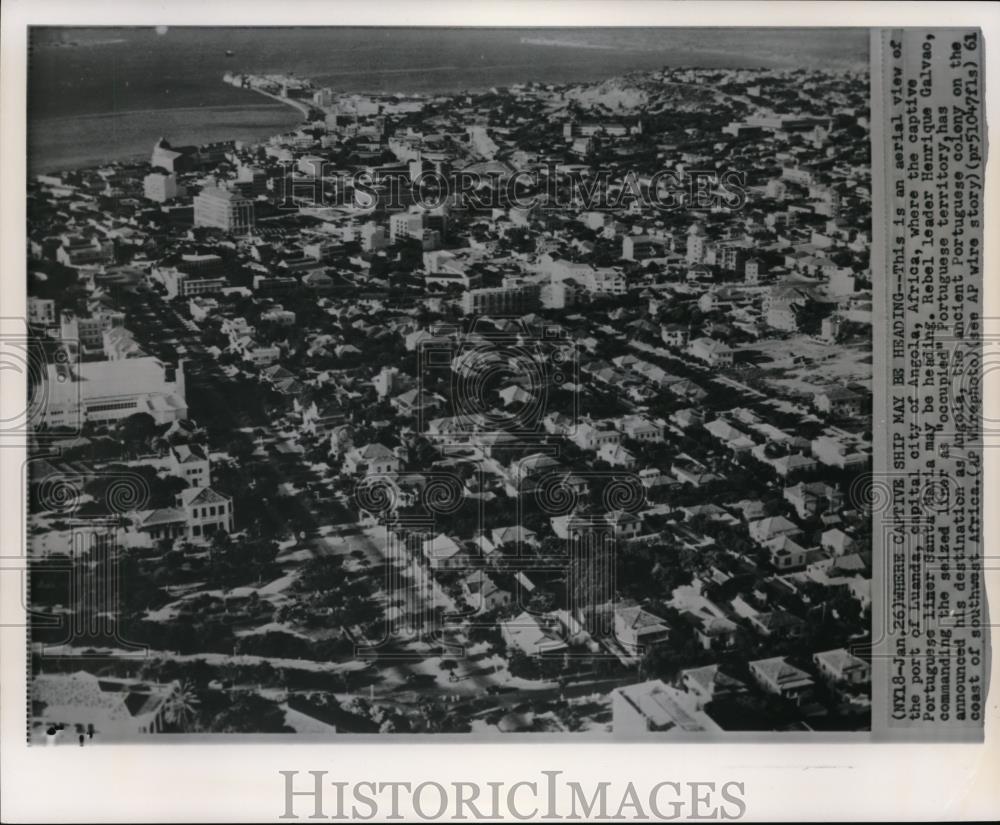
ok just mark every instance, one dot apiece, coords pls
pixel 89 330
pixel 223 209
pixel 42 311
pixel 696 244
pixel 251 181
pixel 639 247
pixel 732 258
pixel 159 187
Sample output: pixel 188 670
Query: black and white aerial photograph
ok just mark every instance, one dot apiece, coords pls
pixel 489 382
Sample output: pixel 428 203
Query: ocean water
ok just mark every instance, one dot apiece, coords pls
pixel 101 93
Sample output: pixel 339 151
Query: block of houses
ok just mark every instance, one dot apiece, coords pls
pixel 778 677
pixel 190 462
pixel 840 666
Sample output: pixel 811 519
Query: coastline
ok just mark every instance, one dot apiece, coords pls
pixel 78 142
pixel 295 104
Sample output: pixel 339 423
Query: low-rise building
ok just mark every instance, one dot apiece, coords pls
pixel 372 459
pixel 778 677
pixel 191 462
pixel 813 499
pixel 654 706
pixel 840 666
pixel 111 708
pixel 839 401
pixel 199 513
pixel 710 683
pixel 712 352
pixel 107 391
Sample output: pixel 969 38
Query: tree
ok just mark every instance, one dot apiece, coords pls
pixel 182 709
pixel 451 666
pixel 137 430
pixel 240 448
pixel 251 713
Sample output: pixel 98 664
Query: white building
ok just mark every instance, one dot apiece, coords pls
pixel 712 352
pixel 840 666
pixel 183 285
pixel 191 462
pixel 654 706
pixel 106 391
pixel 159 187
pixel 199 513
pixel 88 330
pixel 223 209
pixel 108 707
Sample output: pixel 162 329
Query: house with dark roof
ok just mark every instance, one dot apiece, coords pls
pixel 191 462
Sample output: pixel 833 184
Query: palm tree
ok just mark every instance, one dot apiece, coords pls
pixel 182 709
